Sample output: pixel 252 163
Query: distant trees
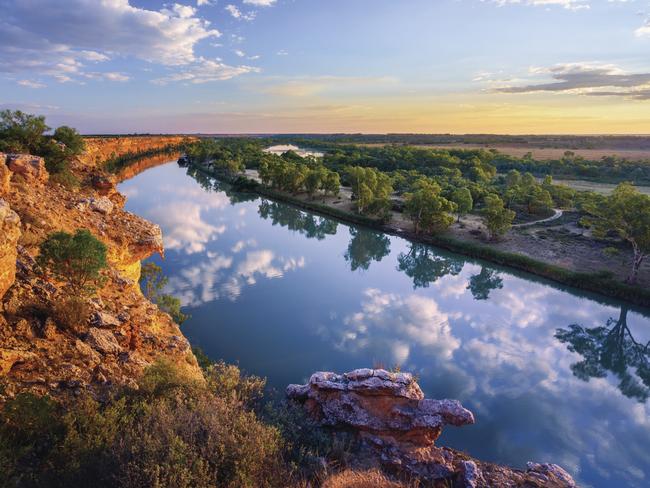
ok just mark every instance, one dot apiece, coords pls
pixel 527 192
pixel 288 175
pixel 371 190
pixel 427 208
pixel 497 218
pixel 627 213
pixel 76 259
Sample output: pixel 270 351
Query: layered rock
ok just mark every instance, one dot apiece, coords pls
pixel 32 168
pixel 9 234
pixel 121 334
pixel 5 174
pixel 398 427
pixel 100 149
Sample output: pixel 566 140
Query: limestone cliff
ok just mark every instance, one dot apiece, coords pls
pixel 101 149
pixel 124 331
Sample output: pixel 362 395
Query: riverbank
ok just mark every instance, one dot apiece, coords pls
pixel 558 259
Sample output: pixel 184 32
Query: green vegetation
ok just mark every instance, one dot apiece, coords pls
pixel 428 185
pixel 76 260
pixel 427 209
pixel 626 212
pixel 371 190
pixel 25 133
pixel 496 217
pixel 153 282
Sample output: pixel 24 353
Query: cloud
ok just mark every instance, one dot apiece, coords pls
pixel 206 70
pixel 238 14
pixel 592 79
pixel 31 84
pixel 260 3
pixel 39 36
pixel 567 4
pixel 391 324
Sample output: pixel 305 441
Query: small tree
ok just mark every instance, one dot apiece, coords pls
pixel 427 208
pixel 496 217
pixel 626 212
pixel 462 197
pixel 77 259
pixel 74 143
pixel 332 183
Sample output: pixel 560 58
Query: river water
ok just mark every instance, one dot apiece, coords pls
pixel 552 375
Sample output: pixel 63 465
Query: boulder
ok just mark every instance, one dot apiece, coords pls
pixel 397 429
pixel 9 234
pixel 104 320
pixel 103 340
pixel 384 405
pixel 32 168
pixel 103 205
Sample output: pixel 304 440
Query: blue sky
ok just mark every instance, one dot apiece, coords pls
pixel 516 66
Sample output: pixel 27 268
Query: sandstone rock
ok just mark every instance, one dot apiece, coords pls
pixel 9 234
pixel 104 185
pixel 359 399
pixel 5 174
pixel 49 330
pixel 551 473
pixel 104 320
pixel 32 168
pixel 397 428
pixel 103 340
pixel 10 357
pixel 102 205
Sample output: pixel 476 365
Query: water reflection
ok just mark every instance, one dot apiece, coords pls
pixel 365 247
pixel 611 348
pixel 280 292
pixel 483 283
pixel 425 266
pixel 309 225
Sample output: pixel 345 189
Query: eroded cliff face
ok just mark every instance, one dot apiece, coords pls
pixel 124 333
pixel 100 149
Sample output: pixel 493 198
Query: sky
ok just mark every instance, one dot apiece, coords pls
pixel 298 66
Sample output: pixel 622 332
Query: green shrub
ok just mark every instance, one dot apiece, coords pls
pixel 74 259
pixel 173 431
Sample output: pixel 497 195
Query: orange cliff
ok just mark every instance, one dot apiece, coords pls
pixel 100 149
pixel 124 332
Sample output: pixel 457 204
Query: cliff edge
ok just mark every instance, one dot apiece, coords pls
pixel 121 332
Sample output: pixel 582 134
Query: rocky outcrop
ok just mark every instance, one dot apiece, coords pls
pixel 32 168
pixel 9 234
pixel 5 174
pixel 48 348
pixel 397 428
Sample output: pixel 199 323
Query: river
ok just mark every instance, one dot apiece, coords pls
pixel 551 374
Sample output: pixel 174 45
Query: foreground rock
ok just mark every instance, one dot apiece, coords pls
pixel 31 168
pixel 398 427
pixel 9 234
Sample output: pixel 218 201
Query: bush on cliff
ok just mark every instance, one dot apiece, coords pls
pixel 172 431
pixel 74 259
